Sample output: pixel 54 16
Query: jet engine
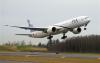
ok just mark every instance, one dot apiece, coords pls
pixel 51 30
pixel 76 30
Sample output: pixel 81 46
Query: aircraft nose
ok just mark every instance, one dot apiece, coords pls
pixel 88 20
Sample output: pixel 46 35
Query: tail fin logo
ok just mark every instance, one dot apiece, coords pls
pixel 30 25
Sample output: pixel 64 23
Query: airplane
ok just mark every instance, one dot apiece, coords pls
pixel 73 25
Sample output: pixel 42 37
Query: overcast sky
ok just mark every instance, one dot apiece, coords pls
pixel 43 13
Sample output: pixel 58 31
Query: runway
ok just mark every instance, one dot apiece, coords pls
pixel 6 61
pixel 45 54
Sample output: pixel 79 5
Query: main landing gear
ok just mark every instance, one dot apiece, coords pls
pixel 64 36
pixel 50 37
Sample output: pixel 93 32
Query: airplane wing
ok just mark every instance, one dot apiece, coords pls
pixel 64 27
pixel 29 28
pixel 23 34
pixel 30 35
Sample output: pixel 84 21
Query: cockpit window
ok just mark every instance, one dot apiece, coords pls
pixel 74 21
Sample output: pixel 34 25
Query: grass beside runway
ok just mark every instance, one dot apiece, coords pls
pixel 4 48
pixel 88 54
pixel 42 59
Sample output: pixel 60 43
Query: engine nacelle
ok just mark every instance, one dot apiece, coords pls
pixel 76 30
pixel 51 30
pixel 39 34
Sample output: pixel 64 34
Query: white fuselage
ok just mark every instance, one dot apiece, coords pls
pixel 63 26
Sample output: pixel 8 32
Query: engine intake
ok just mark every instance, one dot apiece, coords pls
pixel 51 30
pixel 76 30
pixel 54 29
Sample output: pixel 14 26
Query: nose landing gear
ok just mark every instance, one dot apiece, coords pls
pixel 85 28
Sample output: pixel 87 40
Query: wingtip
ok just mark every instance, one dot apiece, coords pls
pixel 5 25
pixel 8 25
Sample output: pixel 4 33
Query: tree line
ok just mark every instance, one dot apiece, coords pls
pixel 84 44
pixel 81 44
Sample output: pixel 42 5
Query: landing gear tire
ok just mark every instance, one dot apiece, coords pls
pixel 64 36
pixel 84 28
pixel 50 37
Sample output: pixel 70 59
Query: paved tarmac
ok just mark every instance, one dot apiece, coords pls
pixel 6 61
pixel 44 54
pixel 65 55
